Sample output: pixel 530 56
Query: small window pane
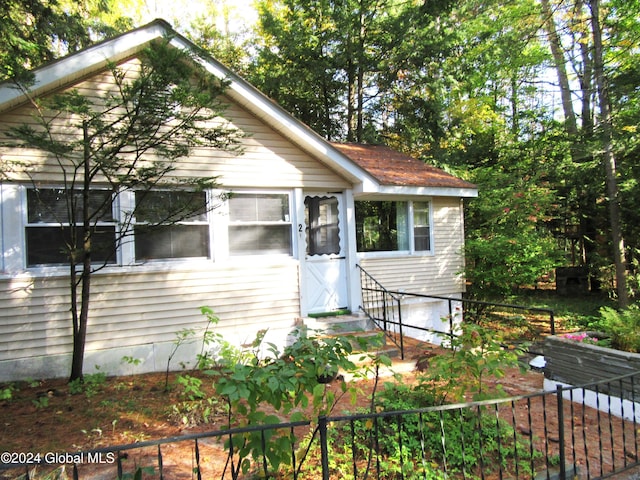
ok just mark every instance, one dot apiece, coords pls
pixel 421 232
pixel 48 245
pixel 259 224
pixel 55 205
pixel 260 239
pixel 160 206
pixel 421 239
pixel 259 207
pixel 175 241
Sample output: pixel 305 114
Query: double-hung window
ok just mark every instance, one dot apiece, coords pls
pixel 259 223
pixel 393 226
pixel 55 223
pixel 171 224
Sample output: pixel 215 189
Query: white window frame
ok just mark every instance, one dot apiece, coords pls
pixel 206 222
pixel 25 224
pixel 411 251
pixel 290 222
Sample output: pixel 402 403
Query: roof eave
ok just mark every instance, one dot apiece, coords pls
pixel 414 191
pixel 257 103
pixel 83 63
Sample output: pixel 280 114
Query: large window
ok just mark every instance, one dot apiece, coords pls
pixel 259 223
pixel 171 224
pixel 390 226
pixel 54 225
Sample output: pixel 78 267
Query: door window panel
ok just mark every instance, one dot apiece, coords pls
pixel 323 232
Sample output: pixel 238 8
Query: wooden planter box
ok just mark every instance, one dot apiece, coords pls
pixel 580 364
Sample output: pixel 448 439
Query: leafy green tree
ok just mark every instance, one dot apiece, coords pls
pixel 35 31
pixel 509 244
pixel 221 32
pixel 330 62
pixel 128 140
pixel 596 41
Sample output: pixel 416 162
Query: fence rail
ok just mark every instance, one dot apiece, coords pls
pixel 385 308
pixel 550 434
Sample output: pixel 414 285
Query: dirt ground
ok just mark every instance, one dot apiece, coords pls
pixel 45 417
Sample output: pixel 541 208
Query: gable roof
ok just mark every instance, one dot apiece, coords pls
pixel 369 176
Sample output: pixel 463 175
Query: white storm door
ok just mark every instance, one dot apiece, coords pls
pixel 325 261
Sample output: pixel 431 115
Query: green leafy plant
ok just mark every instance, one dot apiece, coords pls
pixel 286 380
pixel 89 384
pixel 138 473
pixel 429 441
pixel 41 402
pixel 623 327
pixel 131 360
pixel 475 355
pixel 6 393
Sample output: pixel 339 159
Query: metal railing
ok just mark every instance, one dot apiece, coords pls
pixel 385 308
pixel 550 434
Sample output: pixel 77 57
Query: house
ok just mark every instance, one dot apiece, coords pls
pixel 320 204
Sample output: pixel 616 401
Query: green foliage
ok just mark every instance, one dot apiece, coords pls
pixel 623 326
pixel 131 360
pixel 476 354
pixel 196 406
pixel 460 439
pixel 508 244
pixel 284 381
pixel 138 474
pixel 6 393
pixel 41 402
pixel 89 384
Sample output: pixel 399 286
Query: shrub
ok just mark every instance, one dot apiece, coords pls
pixel 475 355
pixel 622 326
pixel 285 381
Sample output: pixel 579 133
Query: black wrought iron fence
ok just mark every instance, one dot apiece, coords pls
pixel 570 432
pixel 385 308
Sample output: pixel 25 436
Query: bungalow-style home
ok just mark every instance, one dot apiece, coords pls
pixel 325 208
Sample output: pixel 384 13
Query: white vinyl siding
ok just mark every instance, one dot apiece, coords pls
pixel 147 307
pixel 269 160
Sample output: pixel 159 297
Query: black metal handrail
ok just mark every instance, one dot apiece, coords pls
pixel 384 308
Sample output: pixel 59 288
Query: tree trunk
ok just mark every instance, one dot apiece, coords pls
pixel 351 101
pixel 561 69
pixel 577 136
pixel 81 319
pixel 608 158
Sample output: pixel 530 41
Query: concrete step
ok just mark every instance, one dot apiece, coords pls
pixel 339 324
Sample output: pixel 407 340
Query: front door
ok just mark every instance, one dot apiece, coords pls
pixel 325 261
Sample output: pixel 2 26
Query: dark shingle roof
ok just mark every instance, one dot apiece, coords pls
pixel 391 167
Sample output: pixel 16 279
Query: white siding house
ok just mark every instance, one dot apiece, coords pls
pixel 329 198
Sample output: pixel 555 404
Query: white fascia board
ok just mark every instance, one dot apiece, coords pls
pixel 397 191
pixel 256 102
pixel 80 64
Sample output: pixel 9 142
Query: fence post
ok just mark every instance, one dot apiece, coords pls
pixel 561 452
pixel 324 450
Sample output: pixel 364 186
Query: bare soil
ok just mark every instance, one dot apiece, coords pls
pixel 46 417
